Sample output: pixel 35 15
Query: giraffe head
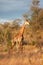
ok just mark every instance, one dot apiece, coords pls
pixel 26 23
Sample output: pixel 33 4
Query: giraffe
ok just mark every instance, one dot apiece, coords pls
pixel 18 39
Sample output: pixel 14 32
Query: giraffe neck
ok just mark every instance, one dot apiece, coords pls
pixel 22 30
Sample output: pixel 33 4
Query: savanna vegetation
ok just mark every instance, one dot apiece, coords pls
pixel 33 34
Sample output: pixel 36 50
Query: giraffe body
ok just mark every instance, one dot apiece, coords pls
pixel 17 42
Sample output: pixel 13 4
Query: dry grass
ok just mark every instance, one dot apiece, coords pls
pixel 30 56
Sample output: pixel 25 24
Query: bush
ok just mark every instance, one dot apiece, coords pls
pixel 31 35
pixel 33 42
pixel 5 50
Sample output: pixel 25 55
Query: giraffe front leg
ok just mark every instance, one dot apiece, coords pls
pixel 17 46
pixel 20 48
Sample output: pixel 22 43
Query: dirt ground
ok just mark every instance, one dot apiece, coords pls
pixel 33 56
